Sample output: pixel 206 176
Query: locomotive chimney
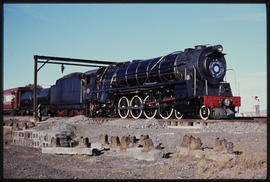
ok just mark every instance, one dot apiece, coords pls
pixel 219 48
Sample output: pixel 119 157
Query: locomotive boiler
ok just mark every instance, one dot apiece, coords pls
pixel 189 83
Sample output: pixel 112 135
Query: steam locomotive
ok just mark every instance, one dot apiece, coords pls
pixel 183 83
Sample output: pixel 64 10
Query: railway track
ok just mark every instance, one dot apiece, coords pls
pixel 172 122
pixel 195 122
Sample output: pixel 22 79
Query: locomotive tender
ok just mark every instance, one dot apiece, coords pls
pixel 189 83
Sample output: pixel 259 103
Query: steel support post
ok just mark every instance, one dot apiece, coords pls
pixel 35 90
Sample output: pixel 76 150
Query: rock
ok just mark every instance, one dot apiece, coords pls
pixel 223 146
pixel 124 143
pixel 103 139
pixel 30 124
pixel 159 146
pixel 131 141
pixel 229 148
pixel 115 142
pixel 147 145
pixel 84 142
pixel 142 138
pixel 195 143
pixel 185 141
pixel 20 125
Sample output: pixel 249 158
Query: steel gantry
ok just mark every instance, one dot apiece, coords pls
pixel 62 61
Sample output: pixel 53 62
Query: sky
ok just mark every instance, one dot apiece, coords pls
pixel 124 32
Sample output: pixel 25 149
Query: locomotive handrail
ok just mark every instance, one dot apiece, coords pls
pixel 206 88
pixel 194 80
pixel 144 86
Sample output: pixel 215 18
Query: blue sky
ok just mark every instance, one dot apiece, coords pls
pixel 123 32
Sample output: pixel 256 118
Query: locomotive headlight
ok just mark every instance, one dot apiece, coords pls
pixel 227 102
pixel 216 69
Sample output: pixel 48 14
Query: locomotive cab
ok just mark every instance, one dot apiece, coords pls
pixel 90 79
pixel 95 95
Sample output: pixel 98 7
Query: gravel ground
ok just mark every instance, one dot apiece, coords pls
pixel 248 138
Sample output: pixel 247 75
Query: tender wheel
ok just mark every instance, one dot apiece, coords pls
pixel 165 110
pixel 150 107
pixel 204 112
pixel 123 107
pixel 177 114
pixel 136 107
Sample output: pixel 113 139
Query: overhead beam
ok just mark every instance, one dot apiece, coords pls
pixel 74 60
pixel 71 64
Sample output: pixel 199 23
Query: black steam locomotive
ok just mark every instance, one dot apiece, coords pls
pixel 181 83
pixel 188 83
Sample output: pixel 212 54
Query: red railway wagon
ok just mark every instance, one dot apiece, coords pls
pixel 11 99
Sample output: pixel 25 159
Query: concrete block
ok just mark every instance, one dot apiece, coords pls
pixel 186 127
pixel 7 130
pixel 67 150
pixel 98 146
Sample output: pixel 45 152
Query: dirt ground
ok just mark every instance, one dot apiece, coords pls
pixel 249 139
